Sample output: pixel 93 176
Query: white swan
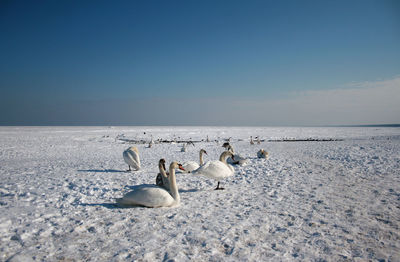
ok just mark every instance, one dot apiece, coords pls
pixel 217 169
pixel 262 154
pixel 236 159
pixel 258 141
pixel 131 157
pixel 189 166
pixel 154 196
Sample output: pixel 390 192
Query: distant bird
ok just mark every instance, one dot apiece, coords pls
pixel 131 157
pixel 184 147
pixel 190 166
pixel 251 140
pixel 207 140
pixel 217 169
pixel 262 154
pixel 154 196
pixel 151 142
pixel 258 141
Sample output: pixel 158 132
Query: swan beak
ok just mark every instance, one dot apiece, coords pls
pixel 205 153
pixel 181 167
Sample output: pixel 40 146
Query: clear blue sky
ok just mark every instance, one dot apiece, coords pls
pixel 197 62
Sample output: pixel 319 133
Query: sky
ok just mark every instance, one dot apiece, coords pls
pixel 261 63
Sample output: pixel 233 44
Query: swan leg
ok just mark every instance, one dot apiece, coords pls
pixel 219 188
pixel 129 168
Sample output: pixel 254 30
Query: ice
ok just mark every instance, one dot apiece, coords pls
pixel 310 200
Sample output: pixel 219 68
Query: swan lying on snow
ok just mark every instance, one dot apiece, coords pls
pixel 189 166
pixel 131 157
pixel 262 154
pixel 235 159
pixel 217 169
pixel 154 196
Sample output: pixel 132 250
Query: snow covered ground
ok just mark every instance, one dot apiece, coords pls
pixel 312 201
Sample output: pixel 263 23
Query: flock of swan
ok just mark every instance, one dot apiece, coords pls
pixel 165 192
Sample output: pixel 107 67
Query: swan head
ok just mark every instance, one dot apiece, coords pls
pixel 203 151
pixel 162 162
pixel 226 145
pixel 176 165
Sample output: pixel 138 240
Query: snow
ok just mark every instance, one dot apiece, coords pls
pixel 312 201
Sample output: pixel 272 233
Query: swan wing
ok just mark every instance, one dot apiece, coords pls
pixel 190 166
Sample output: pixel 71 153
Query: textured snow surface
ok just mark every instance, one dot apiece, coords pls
pixel 312 201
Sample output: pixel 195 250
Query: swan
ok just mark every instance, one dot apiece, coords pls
pixel 162 179
pixel 251 140
pixel 258 141
pixel 183 149
pixel 189 166
pixel 235 159
pixel 131 157
pixel 154 196
pixel 262 154
pixel 217 169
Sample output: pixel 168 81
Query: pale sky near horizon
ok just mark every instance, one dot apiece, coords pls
pixel 199 62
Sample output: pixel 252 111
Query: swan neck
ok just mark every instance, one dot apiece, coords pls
pixel 201 158
pixel 162 170
pixel 222 158
pixel 230 148
pixel 173 187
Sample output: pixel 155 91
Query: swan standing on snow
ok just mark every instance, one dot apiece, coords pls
pixel 131 157
pixel 262 154
pixel 154 196
pixel 236 159
pixel 217 169
pixel 251 140
pixel 189 166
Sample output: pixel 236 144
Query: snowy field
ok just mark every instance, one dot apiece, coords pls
pixel 309 201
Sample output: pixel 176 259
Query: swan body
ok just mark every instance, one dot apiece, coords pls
pixel 152 195
pixel 217 169
pixel 190 166
pixel 262 154
pixel 131 157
